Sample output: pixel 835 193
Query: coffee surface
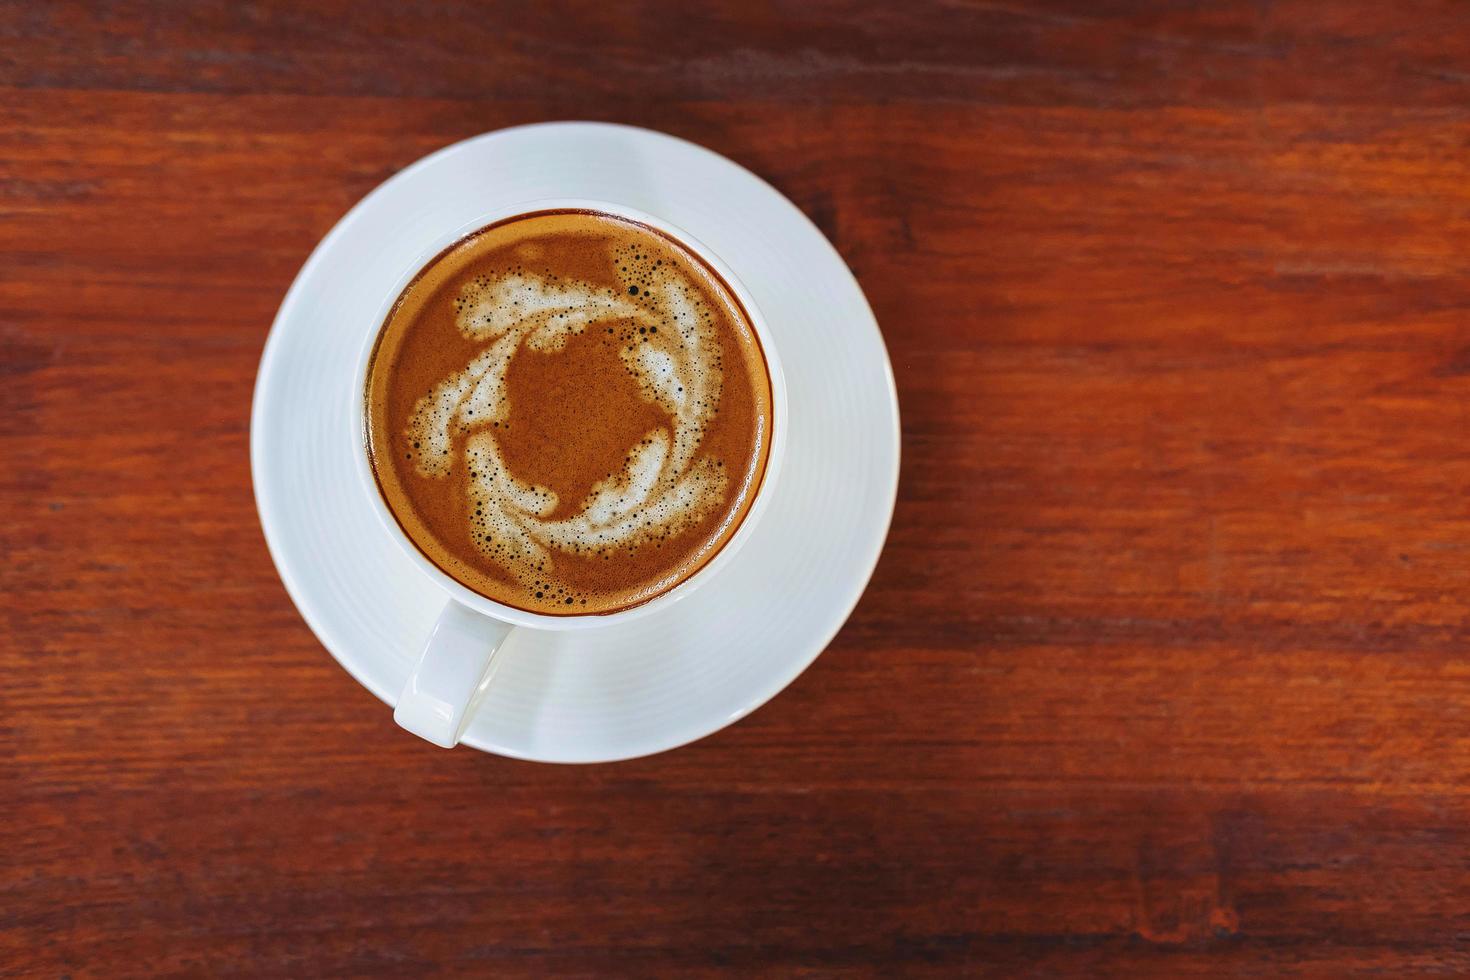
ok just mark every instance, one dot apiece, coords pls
pixel 568 412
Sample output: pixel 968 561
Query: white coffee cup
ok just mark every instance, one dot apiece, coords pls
pixel 457 664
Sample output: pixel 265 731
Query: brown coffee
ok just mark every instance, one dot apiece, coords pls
pixel 568 412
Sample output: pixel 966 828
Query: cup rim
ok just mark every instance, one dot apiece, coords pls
pixel 520 617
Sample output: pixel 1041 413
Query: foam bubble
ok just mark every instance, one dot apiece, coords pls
pixel 665 486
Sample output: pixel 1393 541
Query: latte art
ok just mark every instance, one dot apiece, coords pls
pixel 568 412
pixel 666 342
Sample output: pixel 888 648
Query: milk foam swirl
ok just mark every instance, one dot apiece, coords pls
pixel 673 353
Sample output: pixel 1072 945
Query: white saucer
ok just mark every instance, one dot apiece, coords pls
pixel 674 676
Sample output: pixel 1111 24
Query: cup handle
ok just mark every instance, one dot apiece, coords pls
pixel 451 675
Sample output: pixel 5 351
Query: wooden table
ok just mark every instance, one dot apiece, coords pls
pixel 1163 670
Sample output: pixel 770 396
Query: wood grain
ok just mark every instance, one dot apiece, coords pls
pixel 1162 671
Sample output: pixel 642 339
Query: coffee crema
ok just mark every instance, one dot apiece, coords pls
pixel 568 412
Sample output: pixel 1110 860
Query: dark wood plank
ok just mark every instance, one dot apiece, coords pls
pixel 584 57
pixel 1161 671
